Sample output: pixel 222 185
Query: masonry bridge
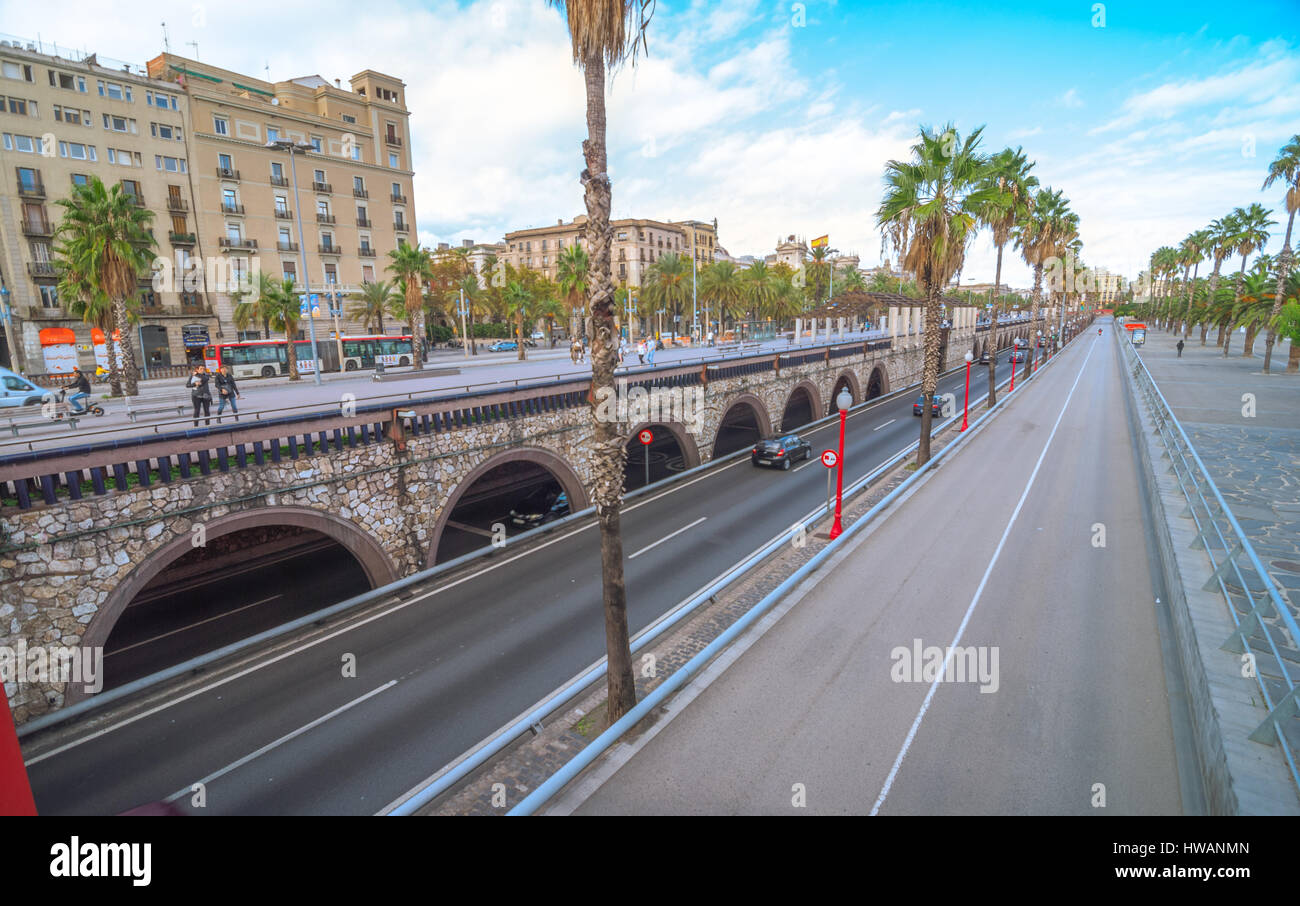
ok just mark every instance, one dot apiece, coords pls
pixel 87 532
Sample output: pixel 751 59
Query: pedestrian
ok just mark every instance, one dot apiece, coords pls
pixel 80 391
pixel 227 392
pixel 1180 349
pixel 640 352
pixel 710 337
pixel 650 353
pixel 200 394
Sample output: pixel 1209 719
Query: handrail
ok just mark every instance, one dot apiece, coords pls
pixel 1190 470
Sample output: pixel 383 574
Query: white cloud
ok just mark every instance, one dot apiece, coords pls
pixel 1071 99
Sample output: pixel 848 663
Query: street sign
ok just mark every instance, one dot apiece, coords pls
pixel 645 437
pixel 830 458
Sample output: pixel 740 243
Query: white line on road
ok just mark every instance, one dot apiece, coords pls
pixel 929 696
pixel 667 537
pixel 109 654
pixel 283 739
pixel 890 422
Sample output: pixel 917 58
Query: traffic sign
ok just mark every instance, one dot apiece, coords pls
pixel 830 458
pixel 646 437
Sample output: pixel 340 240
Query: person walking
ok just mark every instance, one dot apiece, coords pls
pixel 650 352
pixel 227 392
pixel 201 394
pixel 80 391
pixel 640 352
pixel 1180 349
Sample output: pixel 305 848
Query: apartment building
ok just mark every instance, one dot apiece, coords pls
pixel 638 243
pixel 351 190
pixel 63 120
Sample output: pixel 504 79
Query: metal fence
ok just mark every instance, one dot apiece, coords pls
pixel 1265 626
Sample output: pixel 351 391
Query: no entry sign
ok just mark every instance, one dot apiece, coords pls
pixel 830 458
pixel 645 437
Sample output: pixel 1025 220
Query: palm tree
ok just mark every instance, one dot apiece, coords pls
pixel 519 301
pixel 411 266
pixel 818 270
pixel 1286 168
pixel 934 200
pixel 373 302
pixel 1222 241
pixel 1011 199
pixel 105 240
pixel 1251 235
pixel 854 281
pixel 572 273
pixel 668 283
pixel 276 304
pixel 603 33
pixel 93 308
pixel 723 285
pixel 760 290
pixel 1045 234
pixel 1192 249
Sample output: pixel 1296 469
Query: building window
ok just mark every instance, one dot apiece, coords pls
pixel 331 273
pixel 320 175
pixel 21 71
pixel 224 162
pixel 119 124
pixel 114 91
pixel 80 179
pixel 367 273
pixel 220 125
pixel 178 225
pixel 348 118
pixel 315 143
pixel 232 232
pixel 170 164
pixel 272 134
pixel 277 171
pixel 77 151
pixel 25 143
pixel 289 269
pixel 322 207
pixel 162 130
pixel 282 205
pixel 392 160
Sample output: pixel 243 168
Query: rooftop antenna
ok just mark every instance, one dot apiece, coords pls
pixel 268 70
pixel 167 47
pixel 195 45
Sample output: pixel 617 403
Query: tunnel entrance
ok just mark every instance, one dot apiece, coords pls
pixel 665 457
pixel 234 586
pixel 528 488
pixel 842 383
pixel 876 383
pixel 740 427
pixel 799 410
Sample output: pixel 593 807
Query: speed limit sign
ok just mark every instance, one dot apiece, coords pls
pixel 645 437
pixel 830 458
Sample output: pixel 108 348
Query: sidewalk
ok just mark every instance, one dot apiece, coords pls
pixel 993 553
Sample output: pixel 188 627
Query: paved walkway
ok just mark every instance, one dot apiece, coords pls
pixel 995 554
pixel 1254 457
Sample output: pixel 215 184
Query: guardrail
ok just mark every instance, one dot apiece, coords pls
pixel 1267 620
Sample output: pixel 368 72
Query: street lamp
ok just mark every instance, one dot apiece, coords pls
pixel 843 400
pixel 294 149
pixel 966 406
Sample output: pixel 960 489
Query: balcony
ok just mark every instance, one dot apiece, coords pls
pixel 393 140
pixel 195 308
pixel 32 189
pixel 283 214
pixel 360 193
pixel 399 199
pixel 37 228
pixel 226 242
pixel 364 222
pixel 330 250
pixel 401 226
pixel 228 173
pixel 152 311
pixel 177 204
pixel 286 246
pixel 321 187
pixel 42 269
pixel 324 218
pixel 40 313
pixel 281 181
pixel 181 238
pixel 365 251
pixel 232 208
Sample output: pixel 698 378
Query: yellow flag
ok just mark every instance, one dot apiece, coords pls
pixel 821 240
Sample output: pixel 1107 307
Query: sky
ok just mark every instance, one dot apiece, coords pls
pixel 778 118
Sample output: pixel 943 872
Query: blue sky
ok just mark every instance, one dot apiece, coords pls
pixel 778 122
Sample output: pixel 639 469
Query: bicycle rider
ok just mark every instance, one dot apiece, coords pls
pixel 81 391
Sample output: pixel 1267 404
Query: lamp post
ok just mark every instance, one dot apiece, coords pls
pixel 843 400
pixel 295 149
pixel 966 406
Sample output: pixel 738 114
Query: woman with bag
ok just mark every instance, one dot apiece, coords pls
pixel 227 392
pixel 200 394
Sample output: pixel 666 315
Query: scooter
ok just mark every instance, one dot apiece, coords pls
pixel 92 408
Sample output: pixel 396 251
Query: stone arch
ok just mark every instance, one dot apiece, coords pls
pixel 878 382
pixel 684 438
pixel 551 462
pixel 755 405
pixel 848 378
pixel 814 400
pixel 369 553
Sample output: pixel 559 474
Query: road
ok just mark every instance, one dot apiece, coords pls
pixel 995 552
pixel 438 670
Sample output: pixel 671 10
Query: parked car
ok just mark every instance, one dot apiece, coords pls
pixel 504 346
pixel 16 390
pixel 538 335
pixel 542 505
pixel 780 451
pixel 936 405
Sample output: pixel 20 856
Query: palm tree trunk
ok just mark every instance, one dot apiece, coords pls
pixel 127 364
pixel 1236 300
pixel 1191 287
pixel 1293 362
pixel 993 334
pixel 519 332
pixel 1283 263
pixel 415 310
pixel 291 349
pixel 929 372
pixel 610 453
pixel 114 366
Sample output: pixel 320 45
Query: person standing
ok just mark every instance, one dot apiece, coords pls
pixel 650 352
pixel 227 392
pixel 1180 349
pixel 201 394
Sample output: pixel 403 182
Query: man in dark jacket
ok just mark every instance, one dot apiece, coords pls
pixel 227 392
pixel 80 391
pixel 200 394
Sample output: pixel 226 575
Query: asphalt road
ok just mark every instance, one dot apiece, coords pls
pixel 996 553
pixel 441 669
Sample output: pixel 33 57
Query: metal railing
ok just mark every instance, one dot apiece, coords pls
pixel 1261 617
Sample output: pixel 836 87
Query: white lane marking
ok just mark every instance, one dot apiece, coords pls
pixel 219 616
pixel 929 696
pixel 890 422
pixel 234 765
pixel 667 537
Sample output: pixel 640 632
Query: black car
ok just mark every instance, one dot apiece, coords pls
pixel 1019 356
pixel 936 405
pixel 780 451
pixel 984 357
pixel 540 506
